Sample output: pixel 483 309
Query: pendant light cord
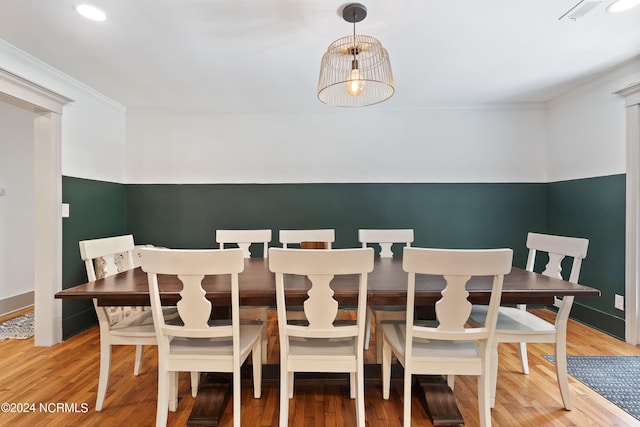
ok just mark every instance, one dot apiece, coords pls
pixel 355 60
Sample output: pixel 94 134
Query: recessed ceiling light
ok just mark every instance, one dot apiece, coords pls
pixel 91 12
pixel 622 5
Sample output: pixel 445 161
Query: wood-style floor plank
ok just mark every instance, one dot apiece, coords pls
pixel 67 374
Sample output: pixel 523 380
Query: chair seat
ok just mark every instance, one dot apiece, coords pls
pixel 141 322
pixel 215 347
pixel 138 318
pixel 513 320
pixel 322 355
pixel 448 351
pixel 316 348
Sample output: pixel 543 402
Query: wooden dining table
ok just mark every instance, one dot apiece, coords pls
pixel 387 285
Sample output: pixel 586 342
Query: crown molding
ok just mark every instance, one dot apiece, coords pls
pixel 29 95
pixel 631 94
pixel 39 66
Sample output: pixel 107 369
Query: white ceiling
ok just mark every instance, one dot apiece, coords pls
pixel 264 55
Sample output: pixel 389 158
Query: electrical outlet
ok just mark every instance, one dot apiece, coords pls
pixel 619 302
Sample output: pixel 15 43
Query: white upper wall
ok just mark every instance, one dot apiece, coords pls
pixel 581 134
pixel 93 140
pixel 496 144
pixel 587 128
pixel 93 127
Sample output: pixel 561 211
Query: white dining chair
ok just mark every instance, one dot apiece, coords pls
pixel 198 344
pixel 385 238
pixel 118 325
pixel 326 236
pixel 244 239
pixel 322 344
pixel 449 346
pixel 517 325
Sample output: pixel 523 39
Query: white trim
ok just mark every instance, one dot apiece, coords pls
pixel 48 198
pixel 611 75
pixel 632 259
pixel 24 58
pixel 515 106
pixel 30 96
pixel 16 303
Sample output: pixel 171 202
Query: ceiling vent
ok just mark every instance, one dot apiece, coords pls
pixel 579 10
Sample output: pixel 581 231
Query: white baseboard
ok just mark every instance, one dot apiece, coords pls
pixel 16 302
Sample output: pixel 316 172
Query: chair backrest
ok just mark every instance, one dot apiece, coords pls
pixel 191 266
pixel 320 267
pixel 244 239
pixel 453 309
pixel 136 254
pixel 385 238
pixel 288 237
pixel 107 256
pixel 557 247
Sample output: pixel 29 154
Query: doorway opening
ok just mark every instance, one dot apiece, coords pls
pixel 47 107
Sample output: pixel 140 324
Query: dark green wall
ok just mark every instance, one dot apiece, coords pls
pixel 97 209
pixel 442 215
pixel 594 208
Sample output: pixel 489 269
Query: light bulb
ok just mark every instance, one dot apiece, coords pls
pixel 355 85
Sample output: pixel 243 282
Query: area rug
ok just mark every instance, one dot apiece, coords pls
pixel 616 378
pixel 20 327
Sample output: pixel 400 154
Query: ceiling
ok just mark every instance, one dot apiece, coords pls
pixel 264 55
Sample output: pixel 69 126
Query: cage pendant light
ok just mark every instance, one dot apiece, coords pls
pixel 355 71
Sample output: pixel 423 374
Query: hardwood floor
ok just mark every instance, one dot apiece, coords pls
pixel 67 374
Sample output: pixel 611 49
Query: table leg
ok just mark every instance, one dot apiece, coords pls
pixel 438 400
pixel 214 392
pixel 435 395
